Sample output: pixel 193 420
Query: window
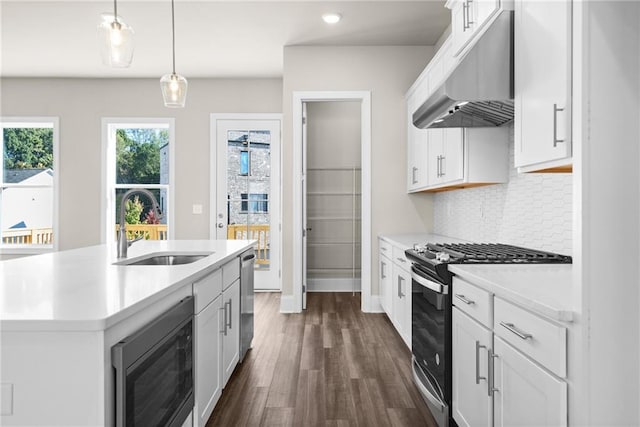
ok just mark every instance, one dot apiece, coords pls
pixel 28 184
pixel 254 203
pixel 138 154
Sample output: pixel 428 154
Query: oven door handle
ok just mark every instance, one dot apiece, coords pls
pixel 429 284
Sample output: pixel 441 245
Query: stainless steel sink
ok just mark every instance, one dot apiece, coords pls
pixel 168 258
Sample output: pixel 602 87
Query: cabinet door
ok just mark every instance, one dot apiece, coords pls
pixel 434 155
pixel 416 149
pixel 231 326
pixel 401 299
pixel 526 393
pixel 385 285
pixel 208 344
pixel 542 81
pixel 460 29
pixel 452 161
pixel 471 403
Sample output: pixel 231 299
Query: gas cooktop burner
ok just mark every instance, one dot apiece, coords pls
pixel 461 253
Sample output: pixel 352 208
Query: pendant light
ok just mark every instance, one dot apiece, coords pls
pixel 116 40
pixel 174 86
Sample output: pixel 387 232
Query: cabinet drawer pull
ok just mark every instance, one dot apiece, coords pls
pixel 383 248
pixel 512 328
pixel 382 266
pixel 413 175
pixel 491 389
pixel 401 259
pixel 230 314
pixel 555 125
pixel 464 299
pixel 478 377
pixel 464 17
pixel 400 280
pixel 469 21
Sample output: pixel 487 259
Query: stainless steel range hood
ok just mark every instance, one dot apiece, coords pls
pixel 479 91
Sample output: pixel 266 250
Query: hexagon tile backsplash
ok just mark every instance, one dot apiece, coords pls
pixel 531 210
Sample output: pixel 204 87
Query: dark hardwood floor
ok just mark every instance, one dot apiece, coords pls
pixel 331 365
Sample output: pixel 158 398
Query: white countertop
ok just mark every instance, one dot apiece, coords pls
pixel 407 240
pixel 543 288
pixel 81 289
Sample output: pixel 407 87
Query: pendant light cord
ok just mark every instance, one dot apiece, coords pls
pixel 173 36
pixel 115 11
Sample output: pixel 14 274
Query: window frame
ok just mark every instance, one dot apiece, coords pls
pixel 109 185
pixel 35 122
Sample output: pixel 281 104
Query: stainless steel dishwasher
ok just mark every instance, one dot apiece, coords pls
pixel 247 259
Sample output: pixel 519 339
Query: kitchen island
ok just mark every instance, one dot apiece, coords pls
pixel 60 314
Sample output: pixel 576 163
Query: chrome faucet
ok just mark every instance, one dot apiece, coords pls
pixel 123 243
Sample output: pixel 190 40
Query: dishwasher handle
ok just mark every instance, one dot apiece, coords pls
pixel 246 260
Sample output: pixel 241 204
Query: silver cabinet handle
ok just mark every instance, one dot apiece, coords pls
pixel 464 17
pixel 224 323
pixel 512 328
pixel 402 260
pixel 438 173
pixel 382 266
pixel 443 171
pixel 464 299
pixel 413 175
pixel 383 248
pixel 230 316
pixel 555 125
pixel 491 389
pixel 469 21
pixel 478 377
pixel 400 280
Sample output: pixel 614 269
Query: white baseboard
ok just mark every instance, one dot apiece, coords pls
pixel 287 304
pixel 374 305
pixel 333 285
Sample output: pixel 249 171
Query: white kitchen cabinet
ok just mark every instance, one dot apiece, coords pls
pixel 526 394
pixel 471 342
pixel 468 18
pixel 230 330
pixel 401 295
pixel 542 103
pixel 459 158
pixel 504 360
pixel 384 278
pixel 208 345
pixel 416 143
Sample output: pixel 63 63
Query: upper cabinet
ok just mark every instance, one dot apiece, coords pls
pixel 416 141
pixel 542 86
pixel 468 17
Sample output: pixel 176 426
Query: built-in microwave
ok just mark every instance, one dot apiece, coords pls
pixel 153 371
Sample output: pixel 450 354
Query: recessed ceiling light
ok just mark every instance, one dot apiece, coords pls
pixel 331 18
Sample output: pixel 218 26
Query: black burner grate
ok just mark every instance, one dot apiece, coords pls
pixel 496 252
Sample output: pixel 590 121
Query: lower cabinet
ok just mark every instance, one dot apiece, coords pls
pixel 524 393
pixel 217 337
pixel 394 279
pixel 495 382
pixel 470 399
pixel 230 330
pixel 208 384
pixel 401 296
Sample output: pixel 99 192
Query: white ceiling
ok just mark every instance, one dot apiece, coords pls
pixel 213 38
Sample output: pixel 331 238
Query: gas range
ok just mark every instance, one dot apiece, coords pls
pixel 435 256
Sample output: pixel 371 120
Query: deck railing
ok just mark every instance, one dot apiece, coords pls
pixel 147 231
pixel 259 232
pixel 28 236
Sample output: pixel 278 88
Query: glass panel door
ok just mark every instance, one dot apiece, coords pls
pixel 248 191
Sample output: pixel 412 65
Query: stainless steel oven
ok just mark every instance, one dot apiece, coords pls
pixel 153 371
pixel 431 340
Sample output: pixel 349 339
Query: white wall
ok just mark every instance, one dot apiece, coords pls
pixel 531 210
pixel 81 104
pixel 608 385
pixel 387 72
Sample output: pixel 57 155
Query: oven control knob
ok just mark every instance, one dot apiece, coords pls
pixel 443 256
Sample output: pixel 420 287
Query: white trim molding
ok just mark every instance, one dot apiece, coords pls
pixel 300 97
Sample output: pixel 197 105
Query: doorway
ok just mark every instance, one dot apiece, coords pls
pixel 333 196
pixel 301 201
pixel 245 182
